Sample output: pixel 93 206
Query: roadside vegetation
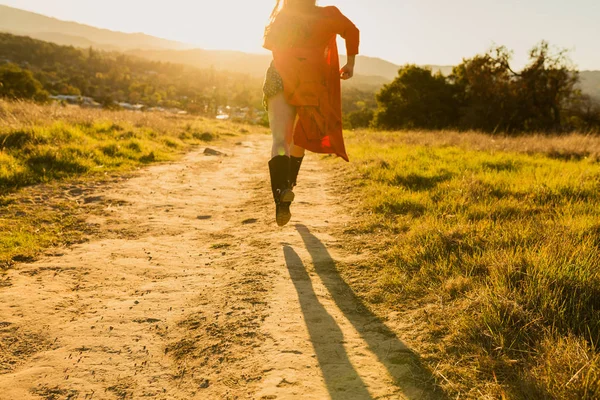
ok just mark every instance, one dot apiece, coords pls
pixel 62 147
pixel 489 248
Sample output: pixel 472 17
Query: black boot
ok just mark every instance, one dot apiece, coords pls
pixel 295 163
pixel 279 167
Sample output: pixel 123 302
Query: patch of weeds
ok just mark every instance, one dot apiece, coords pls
pixel 401 207
pixel 204 136
pixel 134 145
pixel 123 389
pixel 146 320
pixel 420 182
pixel 217 246
pixel 17 346
pixel 148 158
pixel 171 143
pixel 182 349
pixel 55 393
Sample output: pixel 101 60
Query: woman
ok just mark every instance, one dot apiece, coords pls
pixel 302 91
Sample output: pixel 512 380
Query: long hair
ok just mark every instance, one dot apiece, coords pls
pixel 301 6
pixel 297 8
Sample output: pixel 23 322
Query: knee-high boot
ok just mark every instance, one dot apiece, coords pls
pixel 295 163
pixel 279 168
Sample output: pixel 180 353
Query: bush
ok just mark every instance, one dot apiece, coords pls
pixel 16 83
pixel 359 119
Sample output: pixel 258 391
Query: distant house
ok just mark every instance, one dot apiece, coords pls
pixel 223 113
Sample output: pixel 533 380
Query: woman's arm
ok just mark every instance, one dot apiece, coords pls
pixel 347 30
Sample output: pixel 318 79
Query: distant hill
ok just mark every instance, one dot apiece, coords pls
pixel 380 71
pixel 65 40
pixel 235 61
pixel 372 66
pixel 38 26
pixel 372 73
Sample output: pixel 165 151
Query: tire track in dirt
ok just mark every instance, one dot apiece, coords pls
pixel 191 291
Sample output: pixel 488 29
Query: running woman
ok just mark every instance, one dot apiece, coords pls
pixel 302 89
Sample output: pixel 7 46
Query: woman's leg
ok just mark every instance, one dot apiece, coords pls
pixel 297 151
pixel 282 118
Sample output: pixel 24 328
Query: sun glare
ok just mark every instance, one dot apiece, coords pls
pixel 223 24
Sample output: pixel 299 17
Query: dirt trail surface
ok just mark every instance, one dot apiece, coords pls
pixel 190 291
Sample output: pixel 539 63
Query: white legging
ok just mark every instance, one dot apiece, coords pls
pixel 282 119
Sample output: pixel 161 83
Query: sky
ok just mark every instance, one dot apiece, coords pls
pixel 401 31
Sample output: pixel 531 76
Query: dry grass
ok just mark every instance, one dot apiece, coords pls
pixel 492 244
pixel 22 114
pixel 571 146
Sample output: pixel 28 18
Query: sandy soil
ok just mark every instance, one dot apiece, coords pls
pixel 190 291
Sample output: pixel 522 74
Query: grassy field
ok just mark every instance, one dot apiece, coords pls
pixel 69 149
pixel 489 247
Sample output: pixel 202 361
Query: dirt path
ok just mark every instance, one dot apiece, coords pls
pixel 191 291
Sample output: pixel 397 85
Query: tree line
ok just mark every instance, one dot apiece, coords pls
pixel 33 69
pixel 484 93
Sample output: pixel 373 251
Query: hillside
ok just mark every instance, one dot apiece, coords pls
pixel 63 39
pixel 110 76
pixel 234 61
pixel 38 26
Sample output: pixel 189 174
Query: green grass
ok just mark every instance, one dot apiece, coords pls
pixel 43 153
pixel 500 247
pixel 58 147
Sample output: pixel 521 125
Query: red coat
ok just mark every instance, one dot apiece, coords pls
pixel 306 56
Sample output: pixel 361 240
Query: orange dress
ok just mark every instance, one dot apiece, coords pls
pixel 306 56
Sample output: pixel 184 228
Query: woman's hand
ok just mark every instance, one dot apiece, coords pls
pixel 347 72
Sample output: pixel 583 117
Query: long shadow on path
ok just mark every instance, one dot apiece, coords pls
pixel 326 336
pixel 412 378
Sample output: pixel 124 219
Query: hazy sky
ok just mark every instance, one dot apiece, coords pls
pixel 401 31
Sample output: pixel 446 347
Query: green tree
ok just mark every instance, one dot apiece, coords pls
pixel 486 92
pixel 495 98
pixel 546 88
pixel 16 83
pixel 417 99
